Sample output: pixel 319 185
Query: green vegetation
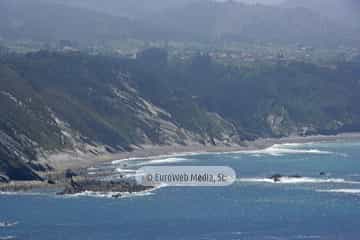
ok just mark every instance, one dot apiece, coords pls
pixel 52 101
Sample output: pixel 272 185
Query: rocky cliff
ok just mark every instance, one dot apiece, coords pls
pixel 52 102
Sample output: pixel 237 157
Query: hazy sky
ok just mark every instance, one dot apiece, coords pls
pixel 263 1
pixel 257 1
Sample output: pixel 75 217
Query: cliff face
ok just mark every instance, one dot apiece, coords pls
pixel 52 102
pixel 14 157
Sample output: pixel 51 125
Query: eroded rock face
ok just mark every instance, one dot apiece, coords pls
pixel 13 158
pixel 76 103
pixel 120 118
pixel 279 122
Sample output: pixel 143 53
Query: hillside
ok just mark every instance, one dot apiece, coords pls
pixel 212 21
pixel 134 9
pixel 203 21
pixel 345 12
pixel 52 102
pixel 38 20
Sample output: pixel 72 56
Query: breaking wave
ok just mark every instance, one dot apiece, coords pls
pixel 120 195
pixel 348 191
pixel 121 170
pixel 173 155
pixel 161 161
pixel 110 194
pixel 7 238
pixel 7 224
pixel 125 159
pixel 282 149
pixel 22 193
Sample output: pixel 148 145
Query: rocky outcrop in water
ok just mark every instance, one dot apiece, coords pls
pixel 278 177
pixel 92 185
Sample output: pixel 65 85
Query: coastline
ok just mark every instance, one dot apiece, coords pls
pixel 65 160
pixel 78 163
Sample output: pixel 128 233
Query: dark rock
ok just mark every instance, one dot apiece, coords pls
pixel 4 179
pixel 110 149
pixel 40 167
pixel 276 177
pixel 51 182
pixel 70 174
pixel 101 186
pixel 116 195
pixel 295 176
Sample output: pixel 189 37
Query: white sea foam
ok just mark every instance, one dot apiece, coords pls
pixel 283 149
pixel 7 237
pixel 307 237
pixel 124 160
pixel 348 191
pixel 137 194
pixel 109 194
pixel 295 180
pixel 354 175
pixel 120 170
pixel 134 175
pixel 7 224
pixel 21 193
pixel 8 193
pixel 149 158
pixel 162 161
pixel 293 144
pixel 148 192
pixel 274 150
pixel 172 155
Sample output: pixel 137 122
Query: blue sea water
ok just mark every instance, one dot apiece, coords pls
pixel 312 207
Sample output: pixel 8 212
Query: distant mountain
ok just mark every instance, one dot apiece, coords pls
pixel 56 103
pixel 266 2
pixel 346 12
pixel 210 20
pixel 135 9
pixel 42 21
pixel 187 20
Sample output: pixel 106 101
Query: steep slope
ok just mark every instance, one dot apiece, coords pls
pixel 53 102
pixel 25 126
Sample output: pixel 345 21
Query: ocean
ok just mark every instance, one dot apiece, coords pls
pixel 313 206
